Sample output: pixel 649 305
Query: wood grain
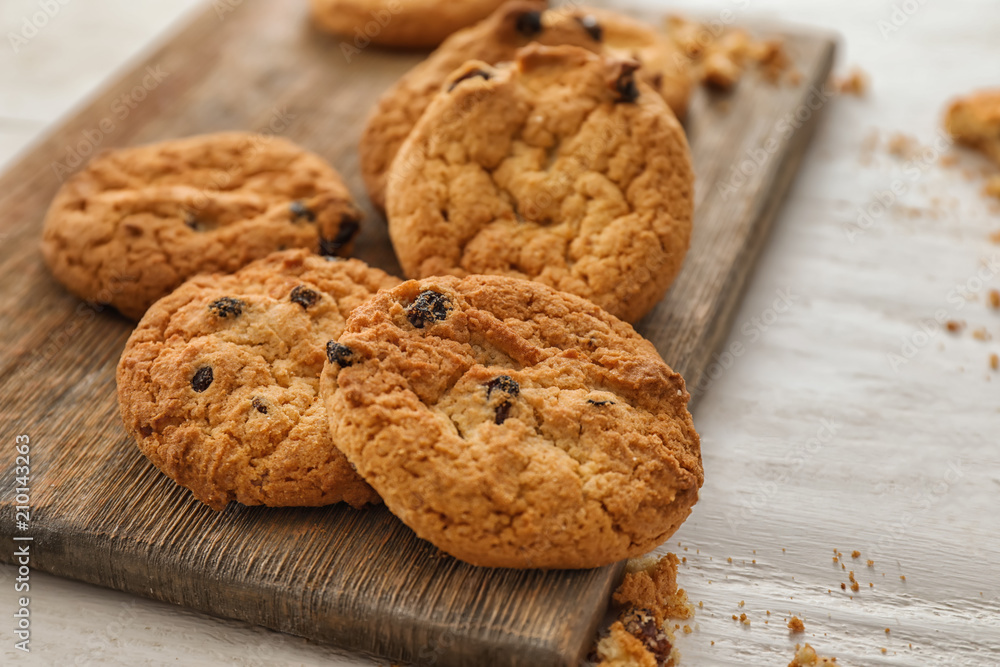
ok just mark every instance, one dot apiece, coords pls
pixel 361 580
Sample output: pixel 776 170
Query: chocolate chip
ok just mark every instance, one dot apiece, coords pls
pixel 625 85
pixel 529 24
pixel 504 383
pixel 339 354
pixel 304 296
pixel 299 210
pixel 202 379
pixel 472 74
pixel 227 306
pixel 592 26
pixel 259 404
pixel 428 307
pixel 599 403
pixel 190 220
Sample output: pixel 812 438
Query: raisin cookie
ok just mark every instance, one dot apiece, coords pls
pixel 513 425
pixel 400 23
pixel 137 222
pixel 219 383
pixel 497 39
pixel 975 121
pixel 562 167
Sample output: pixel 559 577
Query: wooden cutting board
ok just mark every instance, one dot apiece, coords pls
pixel 102 514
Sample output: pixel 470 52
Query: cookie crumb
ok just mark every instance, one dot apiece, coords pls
pixel 855 83
pixel 806 656
pixel 855 554
pixel 795 624
pixel 995 361
pixel 954 326
pixel 655 588
pixel 994 298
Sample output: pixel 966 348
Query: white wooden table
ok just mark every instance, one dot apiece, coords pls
pixel 815 438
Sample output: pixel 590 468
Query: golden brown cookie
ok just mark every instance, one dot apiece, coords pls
pixel 513 425
pixel 219 382
pixel 975 121
pixel 399 23
pixel 497 39
pixel 562 168
pixel 137 222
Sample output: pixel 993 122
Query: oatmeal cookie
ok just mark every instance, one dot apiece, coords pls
pixel 219 383
pixel 137 222
pixel 563 168
pixel 512 425
pixel 498 39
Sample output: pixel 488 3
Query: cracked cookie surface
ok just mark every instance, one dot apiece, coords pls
pixel 219 382
pixel 497 39
pixel 137 222
pixel 399 23
pixel 513 425
pixel 562 168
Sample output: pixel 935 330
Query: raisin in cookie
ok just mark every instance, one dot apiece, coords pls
pixel 513 425
pixel 137 222
pixel 219 383
pixel 975 122
pixel 497 39
pixel 400 23
pixel 562 168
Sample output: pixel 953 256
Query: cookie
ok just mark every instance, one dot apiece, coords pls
pixel 512 425
pixel 975 121
pixel 563 167
pixel 219 382
pixel 399 23
pixel 497 39
pixel 137 222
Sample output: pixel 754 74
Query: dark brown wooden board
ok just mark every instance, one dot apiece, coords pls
pixel 359 579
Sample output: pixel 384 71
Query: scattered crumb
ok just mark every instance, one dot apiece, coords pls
pixel 855 587
pixel 902 577
pixel 741 603
pixel 730 560
pixel 995 237
pixel 948 160
pixel 902 146
pixel 843 586
pixel 854 83
pixel 655 588
pixel 687 629
pixel 744 620
pixel 995 361
pixel 883 651
pixel 954 326
pixel 887 631
pixel 805 656
pixel 981 334
pixel 871 563
pixel 795 624
pixel 855 554
pixel 994 298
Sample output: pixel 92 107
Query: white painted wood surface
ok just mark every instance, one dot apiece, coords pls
pixel 813 439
